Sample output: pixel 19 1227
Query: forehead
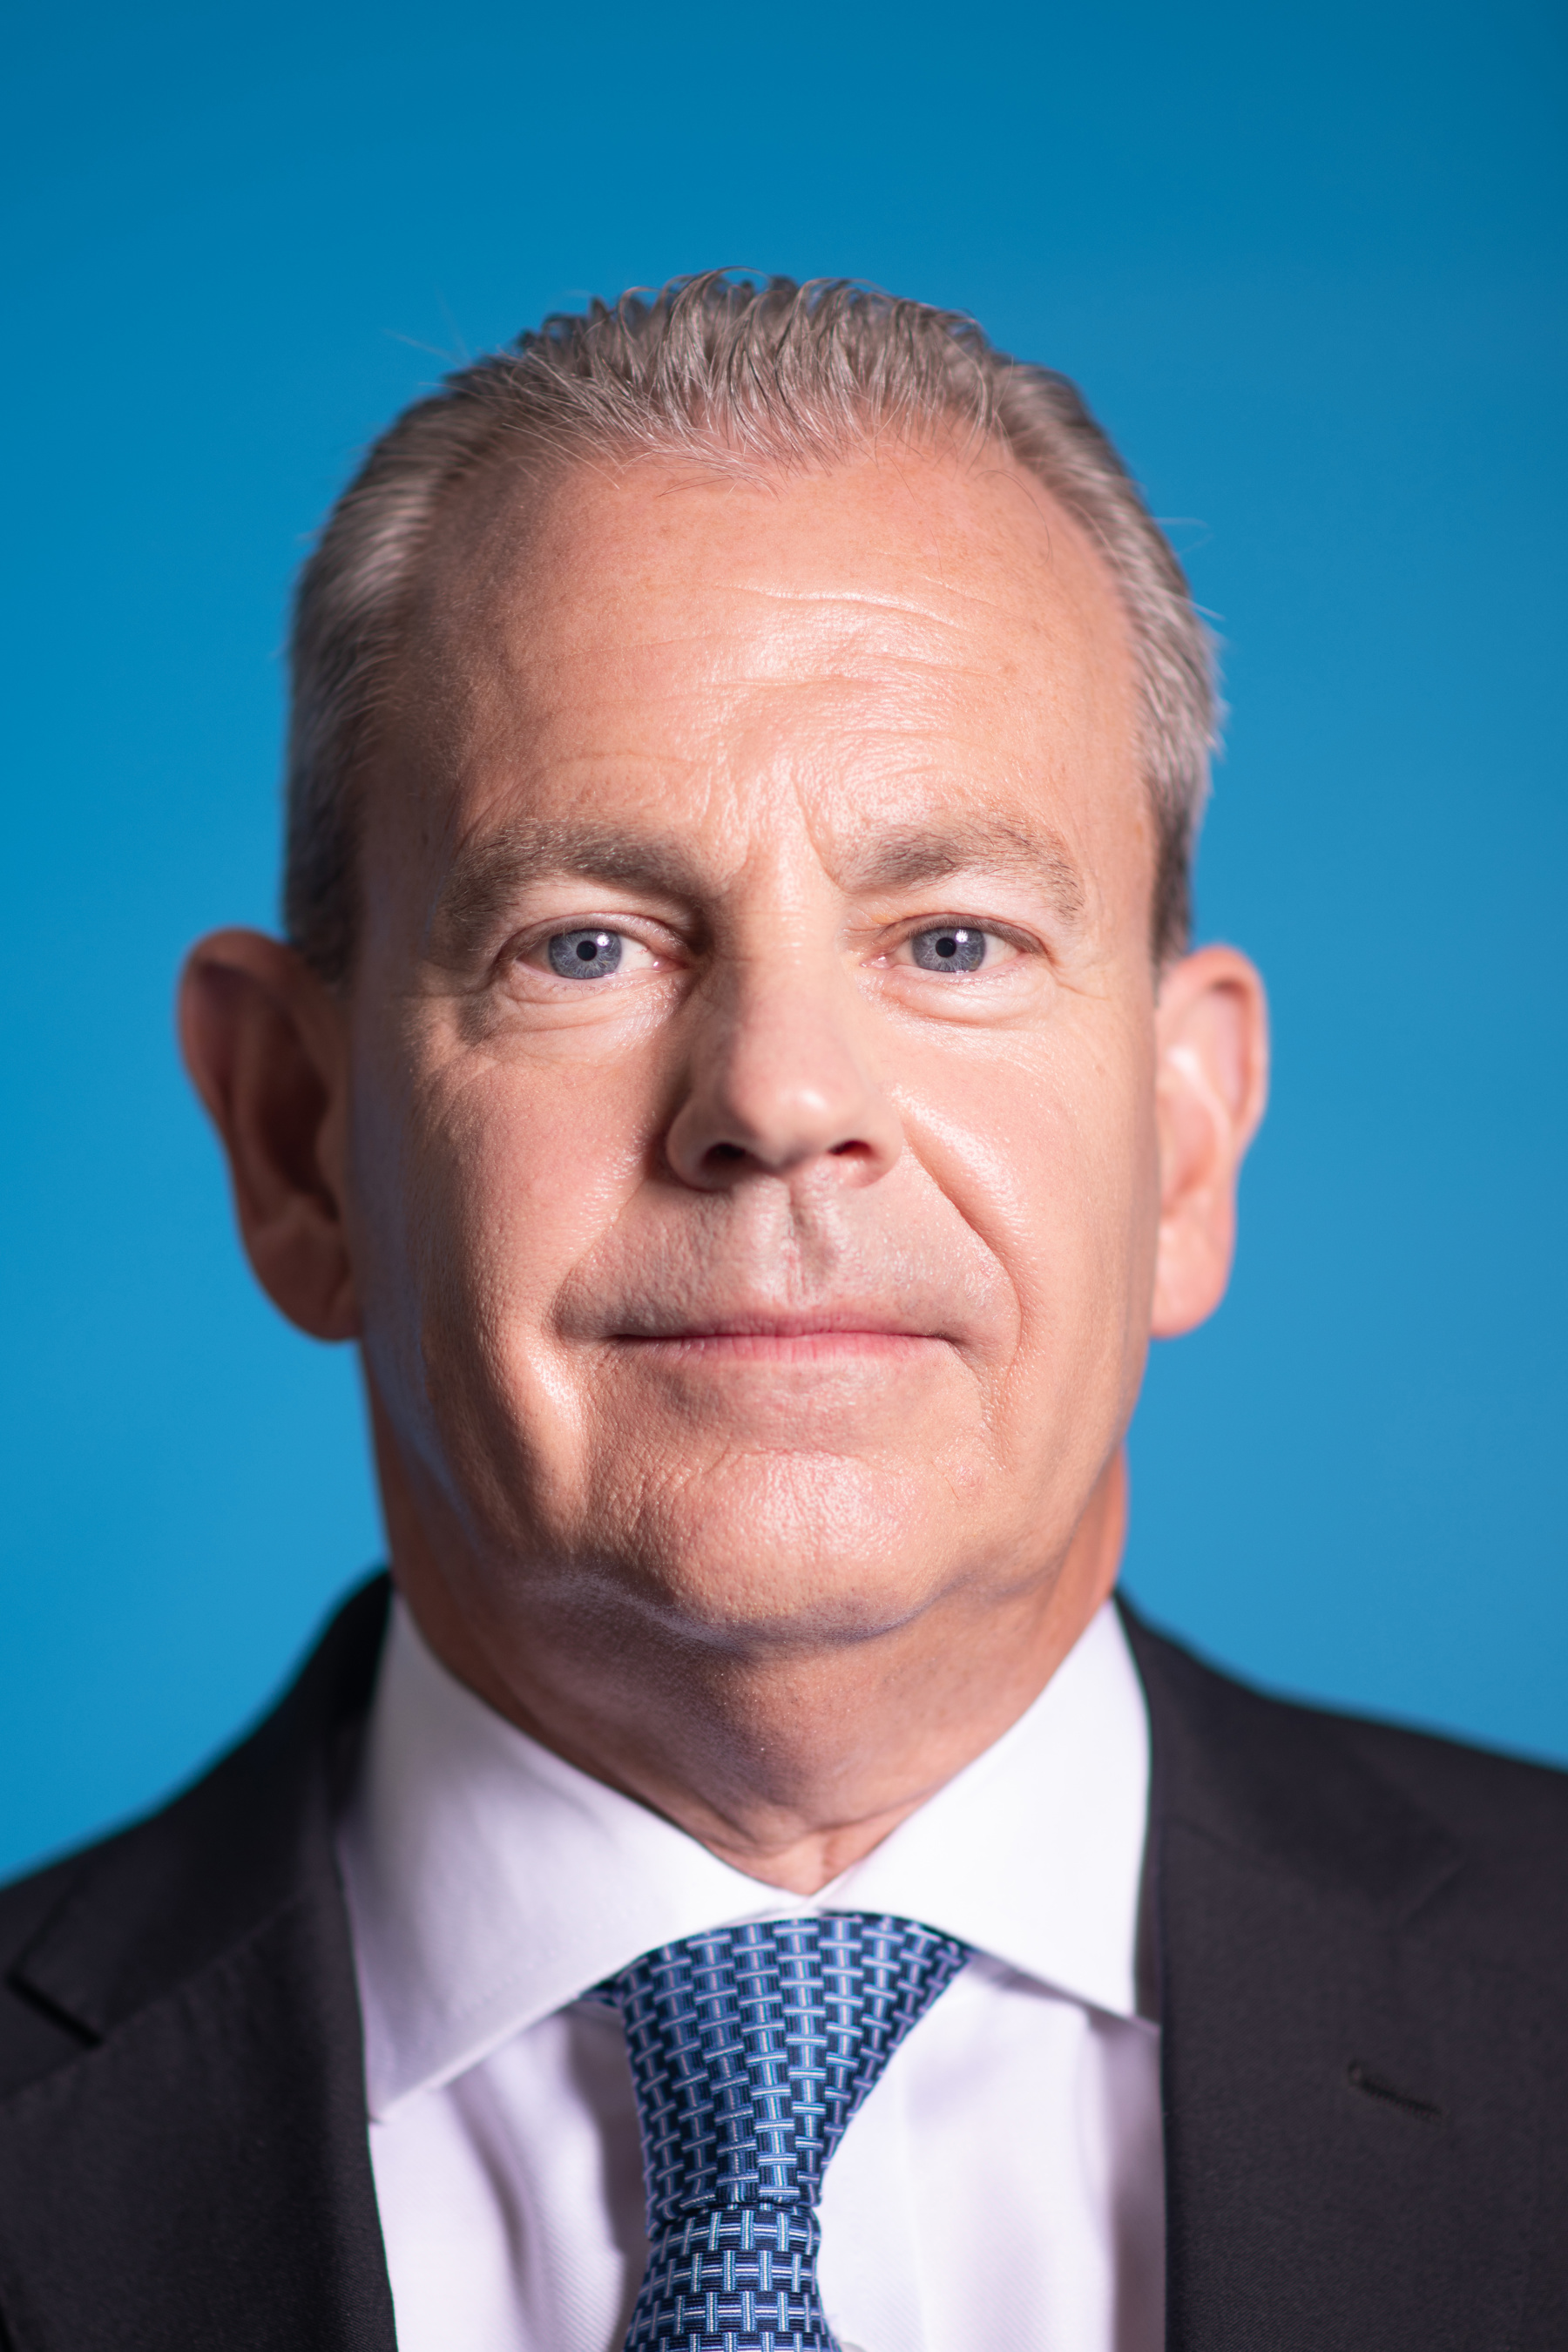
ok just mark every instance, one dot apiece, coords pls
pixel 879 645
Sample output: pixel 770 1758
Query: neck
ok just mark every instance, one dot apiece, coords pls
pixel 790 1766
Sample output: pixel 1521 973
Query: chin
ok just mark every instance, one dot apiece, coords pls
pixel 781 1548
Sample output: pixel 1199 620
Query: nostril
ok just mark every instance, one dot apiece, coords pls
pixel 727 1152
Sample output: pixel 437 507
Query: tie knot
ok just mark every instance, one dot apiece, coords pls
pixel 752 2047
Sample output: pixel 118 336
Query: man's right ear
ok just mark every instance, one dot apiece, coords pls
pixel 267 1046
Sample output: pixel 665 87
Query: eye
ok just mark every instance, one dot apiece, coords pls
pixel 590 954
pixel 592 951
pixel 957 947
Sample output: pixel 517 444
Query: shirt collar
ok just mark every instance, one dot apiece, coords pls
pixel 489 1883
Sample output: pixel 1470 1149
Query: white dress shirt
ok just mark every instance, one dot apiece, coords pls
pixel 1001 2189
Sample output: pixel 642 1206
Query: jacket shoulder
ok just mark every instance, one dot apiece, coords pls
pixel 33 2037
pixel 1508 1817
pixel 1504 1819
pixel 156 1901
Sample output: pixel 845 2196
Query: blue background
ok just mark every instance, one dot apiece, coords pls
pixel 1307 262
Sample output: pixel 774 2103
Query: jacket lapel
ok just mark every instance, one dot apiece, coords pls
pixel 200 2173
pixel 1351 2123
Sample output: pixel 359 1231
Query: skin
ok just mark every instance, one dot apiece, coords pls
pixel 750 1332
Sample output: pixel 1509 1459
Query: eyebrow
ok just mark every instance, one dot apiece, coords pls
pixel 488 875
pixel 906 857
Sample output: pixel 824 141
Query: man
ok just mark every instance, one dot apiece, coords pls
pixel 737 1072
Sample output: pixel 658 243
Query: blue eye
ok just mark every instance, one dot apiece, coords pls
pixel 585 955
pixel 949 949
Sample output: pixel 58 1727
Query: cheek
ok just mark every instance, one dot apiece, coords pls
pixel 533 1175
pixel 489 1180
pixel 1047 1152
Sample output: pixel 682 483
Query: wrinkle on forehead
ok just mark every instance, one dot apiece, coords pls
pixel 511 547
pixel 600 618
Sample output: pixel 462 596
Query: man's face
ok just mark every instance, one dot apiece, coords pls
pixel 752 1166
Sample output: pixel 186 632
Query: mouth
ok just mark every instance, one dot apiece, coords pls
pixel 812 1335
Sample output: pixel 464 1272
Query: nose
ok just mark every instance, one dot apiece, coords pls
pixel 778 1082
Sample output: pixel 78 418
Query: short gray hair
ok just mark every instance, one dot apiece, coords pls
pixel 722 371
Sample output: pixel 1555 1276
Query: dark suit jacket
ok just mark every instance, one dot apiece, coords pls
pixel 1362 1941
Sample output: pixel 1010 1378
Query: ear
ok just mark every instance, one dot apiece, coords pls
pixel 267 1046
pixel 1211 1084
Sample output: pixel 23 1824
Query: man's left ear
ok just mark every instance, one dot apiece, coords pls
pixel 1211 1084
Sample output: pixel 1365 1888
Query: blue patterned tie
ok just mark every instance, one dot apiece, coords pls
pixel 751 2049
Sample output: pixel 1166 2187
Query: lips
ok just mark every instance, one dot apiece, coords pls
pixel 809 1323
pixel 779 1348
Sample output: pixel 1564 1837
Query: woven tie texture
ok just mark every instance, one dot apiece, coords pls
pixel 751 2049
